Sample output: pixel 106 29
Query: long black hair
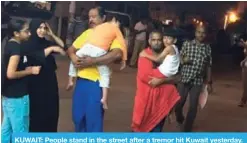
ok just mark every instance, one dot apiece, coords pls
pixel 15 26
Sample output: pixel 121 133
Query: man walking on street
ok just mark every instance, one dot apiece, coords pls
pixel 196 65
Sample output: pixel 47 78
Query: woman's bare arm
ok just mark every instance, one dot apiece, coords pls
pixel 12 72
pixel 58 40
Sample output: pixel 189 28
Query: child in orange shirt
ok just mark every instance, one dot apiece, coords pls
pixel 98 45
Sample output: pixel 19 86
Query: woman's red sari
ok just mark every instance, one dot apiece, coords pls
pixel 151 104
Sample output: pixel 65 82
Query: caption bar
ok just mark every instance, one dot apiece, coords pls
pixel 130 138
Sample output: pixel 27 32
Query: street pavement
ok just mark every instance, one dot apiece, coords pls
pixel 221 113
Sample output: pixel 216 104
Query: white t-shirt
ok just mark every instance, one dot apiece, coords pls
pixel 170 65
pixel 141 36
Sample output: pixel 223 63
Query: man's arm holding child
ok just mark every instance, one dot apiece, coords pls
pixel 114 54
pixel 154 82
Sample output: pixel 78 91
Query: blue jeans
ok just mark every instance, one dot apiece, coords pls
pixel 16 117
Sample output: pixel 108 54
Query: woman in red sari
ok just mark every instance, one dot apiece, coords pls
pixel 152 104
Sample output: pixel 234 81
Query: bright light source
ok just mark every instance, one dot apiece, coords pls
pixel 38 1
pixel 201 23
pixel 168 21
pixel 194 20
pixel 233 17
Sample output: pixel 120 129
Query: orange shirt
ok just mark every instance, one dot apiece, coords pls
pixel 104 34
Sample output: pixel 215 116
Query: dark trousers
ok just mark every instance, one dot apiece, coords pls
pixel 159 127
pixel 194 92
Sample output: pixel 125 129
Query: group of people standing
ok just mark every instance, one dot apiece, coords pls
pixel 29 84
pixel 156 96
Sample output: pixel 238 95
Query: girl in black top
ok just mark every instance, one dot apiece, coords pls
pixel 15 99
pixel 43 88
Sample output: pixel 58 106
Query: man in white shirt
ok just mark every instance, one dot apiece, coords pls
pixel 140 40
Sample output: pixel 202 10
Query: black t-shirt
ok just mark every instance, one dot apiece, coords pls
pixel 13 88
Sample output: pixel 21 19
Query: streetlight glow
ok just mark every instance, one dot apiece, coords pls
pixel 233 17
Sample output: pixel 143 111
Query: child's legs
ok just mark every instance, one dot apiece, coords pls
pixel 105 93
pixel 104 81
pixel 91 50
pixel 72 70
pixel 105 73
pixel 16 111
